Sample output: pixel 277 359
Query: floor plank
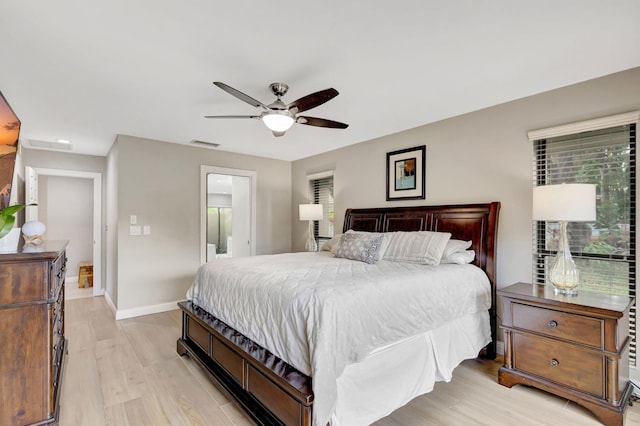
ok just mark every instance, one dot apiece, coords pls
pixel 128 373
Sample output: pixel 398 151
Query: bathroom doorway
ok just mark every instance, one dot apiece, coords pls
pixel 228 213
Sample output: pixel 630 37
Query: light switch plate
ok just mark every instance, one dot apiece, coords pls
pixel 135 230
pixel 133 219
pixel 146 230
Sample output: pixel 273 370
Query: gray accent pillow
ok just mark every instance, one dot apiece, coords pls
pixel 362 247
pixel 383 246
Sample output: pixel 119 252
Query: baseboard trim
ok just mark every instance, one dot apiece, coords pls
pixel 110 303
pixel 146 310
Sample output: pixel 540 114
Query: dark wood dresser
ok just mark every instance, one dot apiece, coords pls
pixel 576 347
pixel 32 339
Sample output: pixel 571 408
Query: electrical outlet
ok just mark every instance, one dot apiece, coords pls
pixel 135 230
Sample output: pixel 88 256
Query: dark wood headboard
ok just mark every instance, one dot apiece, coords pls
pixel 475 222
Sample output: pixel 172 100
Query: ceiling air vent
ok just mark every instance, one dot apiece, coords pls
pixel 58 146
pixel 204 144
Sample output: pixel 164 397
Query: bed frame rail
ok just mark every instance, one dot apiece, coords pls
pixel 248 373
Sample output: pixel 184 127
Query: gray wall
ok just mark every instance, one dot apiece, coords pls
pixel 477 157
pixel 160 183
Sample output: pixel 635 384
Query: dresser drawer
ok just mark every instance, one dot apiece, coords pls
pixel 559 362
pixel 58 272
pixel 561 325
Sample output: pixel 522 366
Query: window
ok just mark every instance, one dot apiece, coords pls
pixel 604 251
pixel 321 192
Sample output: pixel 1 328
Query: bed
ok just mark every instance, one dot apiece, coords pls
pixel 344 375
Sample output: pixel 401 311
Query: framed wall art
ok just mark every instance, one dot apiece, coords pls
pixel 406 174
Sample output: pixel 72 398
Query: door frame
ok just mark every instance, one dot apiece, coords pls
pixel 97 215
pixel 206 170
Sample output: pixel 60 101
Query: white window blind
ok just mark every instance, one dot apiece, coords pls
pixel 604 251
pixel 321 192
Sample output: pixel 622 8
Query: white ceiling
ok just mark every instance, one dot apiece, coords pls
pixel 89 70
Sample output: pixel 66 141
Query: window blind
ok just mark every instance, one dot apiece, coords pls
pixel 604 251
pixel 321 192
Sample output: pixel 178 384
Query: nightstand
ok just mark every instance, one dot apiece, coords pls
pixel 576 347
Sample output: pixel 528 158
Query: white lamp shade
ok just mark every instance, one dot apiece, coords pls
pixel 310 211
pixel 571 202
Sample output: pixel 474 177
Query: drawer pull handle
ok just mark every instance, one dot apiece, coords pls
pixel 552 324
pixel 554 363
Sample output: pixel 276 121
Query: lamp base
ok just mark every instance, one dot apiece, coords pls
pixel 311 245
pixel 564 274
pixel 568 291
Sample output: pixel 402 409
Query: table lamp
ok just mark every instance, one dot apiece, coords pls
pixel 311 212
pixel 567 202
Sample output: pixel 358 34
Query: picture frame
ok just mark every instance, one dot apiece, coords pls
pixel 406 174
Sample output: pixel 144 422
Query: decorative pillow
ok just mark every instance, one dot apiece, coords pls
pixel 385 241
pixel 461 257
pixel 332 244
pixel 363 247
pixel 423 247
pixel 454 246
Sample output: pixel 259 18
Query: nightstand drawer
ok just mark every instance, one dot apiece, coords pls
pixel 559 362
pixel 561 325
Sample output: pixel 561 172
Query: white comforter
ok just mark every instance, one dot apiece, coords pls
pixel 320 313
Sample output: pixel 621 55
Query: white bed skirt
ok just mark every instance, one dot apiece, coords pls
pixel 392 376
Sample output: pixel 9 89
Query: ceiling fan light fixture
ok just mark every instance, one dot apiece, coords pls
pixel 278 116
pixel 278 121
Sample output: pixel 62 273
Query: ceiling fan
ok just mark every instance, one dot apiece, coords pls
pixel 278 116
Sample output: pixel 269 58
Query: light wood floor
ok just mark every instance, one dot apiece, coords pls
pixel 72 291
pixel 128 373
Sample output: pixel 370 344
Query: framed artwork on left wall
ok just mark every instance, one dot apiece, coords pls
pixel 406 174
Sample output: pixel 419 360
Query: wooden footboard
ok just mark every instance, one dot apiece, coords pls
pixel 268 389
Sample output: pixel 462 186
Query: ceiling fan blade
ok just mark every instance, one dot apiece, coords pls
pixel 243 97
pixel 313 100
pixel 321 122
pixel 232 116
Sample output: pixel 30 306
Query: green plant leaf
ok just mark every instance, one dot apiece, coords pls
pixel 6 223
pixel 7 218
pixel 11 210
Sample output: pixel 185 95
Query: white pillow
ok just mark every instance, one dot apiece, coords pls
pixel 460 258
pixel 385 241
pixel 425 247
pixel 454 246
pixel 360 246
pixel 332 244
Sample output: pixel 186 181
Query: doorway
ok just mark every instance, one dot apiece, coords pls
pixel 227 213
pixel 90 185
